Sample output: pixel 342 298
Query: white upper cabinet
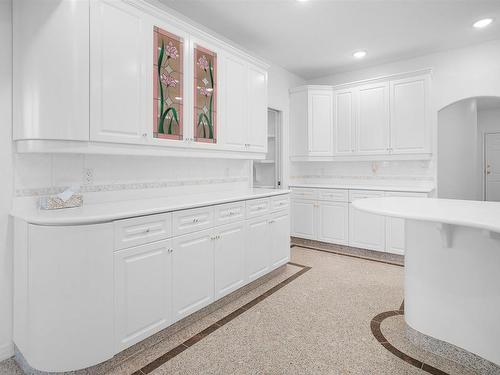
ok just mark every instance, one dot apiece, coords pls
pixel 51 70
pixel 235 96
pixel 319 124
pixel 126 77
pixel 257 109
pixel 311 119
pixel 381 118
pixel 344 121
pixel 373 119
pixel 410 131
pixel 118 80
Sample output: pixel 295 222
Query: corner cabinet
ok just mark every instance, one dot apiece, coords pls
pixel 143 82
pixel 381 118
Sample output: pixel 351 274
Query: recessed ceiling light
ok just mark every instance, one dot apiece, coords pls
pixel 302 1
pixel 359 54
pixel 482 23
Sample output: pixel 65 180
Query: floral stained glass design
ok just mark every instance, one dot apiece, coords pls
pixel 168 85
pixel 205 95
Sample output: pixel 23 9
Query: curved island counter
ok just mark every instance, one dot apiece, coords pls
pixel 452 275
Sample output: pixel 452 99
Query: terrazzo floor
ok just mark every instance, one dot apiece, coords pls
pixel 319 323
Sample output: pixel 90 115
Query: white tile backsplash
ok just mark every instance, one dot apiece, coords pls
pixel 49 174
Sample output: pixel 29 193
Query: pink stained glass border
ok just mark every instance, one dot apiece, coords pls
pixel 213 55
pixel 156 31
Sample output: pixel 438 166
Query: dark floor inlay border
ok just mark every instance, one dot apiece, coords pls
pixel 150 367
pixel 377 333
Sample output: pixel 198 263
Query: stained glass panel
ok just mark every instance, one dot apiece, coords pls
pixel 205 95
pixel 168 85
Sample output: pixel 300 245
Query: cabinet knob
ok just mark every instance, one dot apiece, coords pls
pixel 144 134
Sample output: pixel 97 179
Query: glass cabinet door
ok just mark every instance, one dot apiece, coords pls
pixel 205 95
pixel 168 85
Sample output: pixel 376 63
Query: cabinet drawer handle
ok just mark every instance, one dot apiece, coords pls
pixel 196 220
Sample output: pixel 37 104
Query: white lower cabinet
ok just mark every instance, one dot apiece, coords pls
pixel 333 222
pixel 192 272
pixel 257 248
pixel 366 230
pixel 303 218
pixel 229 258
pixel 279 232
pixel 142 292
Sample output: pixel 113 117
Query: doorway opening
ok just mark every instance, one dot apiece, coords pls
pixel 468 152
pixel 267 172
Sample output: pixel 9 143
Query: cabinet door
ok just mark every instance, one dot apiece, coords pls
pixel 302 213
pixel 395 227
pixel 257 255
pixel 117 65
pixel 279 231
pixel 333 222
pixel 192 273
pixel 344 124
pixel 257 109
pixel 51 69
pixel 366 231
pixel 229 258
pixel 142 292
pixel 320 122
pixel 234 132
pixel 410 131
pixel 373 119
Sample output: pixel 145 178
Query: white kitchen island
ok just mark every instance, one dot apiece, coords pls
pixel 452 271
pixel 93 281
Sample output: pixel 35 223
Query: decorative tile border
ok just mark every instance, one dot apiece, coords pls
pixel 130 186
pixel 150 367
pixel 377 333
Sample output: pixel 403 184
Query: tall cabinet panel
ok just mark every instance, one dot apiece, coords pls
pixel 235 99
pixel 280 238
pixel 257 109
pixel 142 279
pixel 410 132
pixel 373 119
pixel 118 79
pixel 51 69
pixel 320 121
pixel 344 109
pixel 192 273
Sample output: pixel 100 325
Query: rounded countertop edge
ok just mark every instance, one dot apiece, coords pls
pixel 35 216
pixel 366 205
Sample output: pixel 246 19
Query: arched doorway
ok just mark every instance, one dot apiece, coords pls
pixel 468 149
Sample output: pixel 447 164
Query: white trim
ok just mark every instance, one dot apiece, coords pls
pixel 6 351
pixel 363 81
pixel 366 157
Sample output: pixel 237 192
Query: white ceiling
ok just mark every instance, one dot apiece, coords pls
pixel 317 37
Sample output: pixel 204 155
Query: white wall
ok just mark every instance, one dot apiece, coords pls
pixel 6 184
pixel 457 153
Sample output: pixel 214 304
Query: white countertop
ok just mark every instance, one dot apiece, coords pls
pixel 476 214
pixel 414 189
pixel 105 212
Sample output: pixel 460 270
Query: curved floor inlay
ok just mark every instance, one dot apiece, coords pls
pixel 377 332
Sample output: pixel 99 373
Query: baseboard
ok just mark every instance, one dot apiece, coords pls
pixel 6 351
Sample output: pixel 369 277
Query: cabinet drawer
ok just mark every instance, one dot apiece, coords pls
pixel 229 213
pixel 361 194
pixel 142 230
pixel 333 195
pixel 257 207
pixel 280 202
pixel 188 221
pixel 302 193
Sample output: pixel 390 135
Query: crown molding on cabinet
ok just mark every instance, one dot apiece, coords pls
pixel 363 81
